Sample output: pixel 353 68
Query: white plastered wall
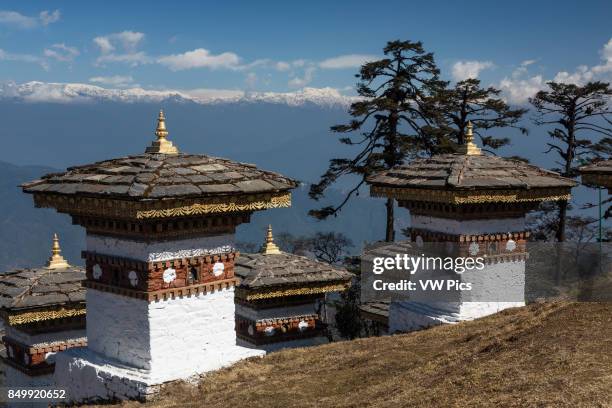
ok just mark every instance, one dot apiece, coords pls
pixel 135 345
pixel 421 312
pixel 155 251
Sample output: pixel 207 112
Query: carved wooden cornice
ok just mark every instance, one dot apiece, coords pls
pixel 461 197
pixel 601 179
pixel 160 209
pixel 163 294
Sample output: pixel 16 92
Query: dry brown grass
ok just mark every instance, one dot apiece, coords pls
pixel 544 355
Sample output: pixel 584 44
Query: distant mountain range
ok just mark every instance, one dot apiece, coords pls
pixel 35 91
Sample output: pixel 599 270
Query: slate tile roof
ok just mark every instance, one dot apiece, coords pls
pixel 39 288
pixel 376 309
pixel 469 172
pixel 600 167
pixel 258 271
pixel 157 176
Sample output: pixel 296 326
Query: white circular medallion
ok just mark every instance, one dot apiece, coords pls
pixel 269 331
pixel 50 357
pixel 474 248
pixel 302 325
pixel 419 241
pixel 218 268
pixel 250 330
pixel 510 245
pixel 133 276
pixel 97 271
pixel 169 275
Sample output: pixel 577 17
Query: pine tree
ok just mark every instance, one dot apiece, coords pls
pixel 578 115
pixel 395 107
pixel 467 101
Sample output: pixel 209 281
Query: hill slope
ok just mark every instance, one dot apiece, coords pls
pixel 544 355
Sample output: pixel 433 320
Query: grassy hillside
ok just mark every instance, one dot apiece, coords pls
pixel 544 355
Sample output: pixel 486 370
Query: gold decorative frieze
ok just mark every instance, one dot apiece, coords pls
pixel 461 197
pixel 17 318
pixel 250 295
pixel 201 209
pixel 141 210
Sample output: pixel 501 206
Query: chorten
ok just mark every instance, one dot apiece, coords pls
pixel 43 310
pixel 281 297
pixel 475 203
pixel 598 174
pixel 160 264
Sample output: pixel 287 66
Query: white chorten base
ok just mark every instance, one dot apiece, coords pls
pixel 89 377
pixel 134 346
pixel 410 316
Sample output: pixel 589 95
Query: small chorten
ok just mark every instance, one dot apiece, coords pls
pixel 162 144
pixel 269 247
pixel 469 147
pixel 279 298
pixel 56 261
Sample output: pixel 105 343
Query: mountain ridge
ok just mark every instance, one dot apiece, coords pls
pixel 37 91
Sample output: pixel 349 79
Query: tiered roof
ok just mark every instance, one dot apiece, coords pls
pixel 470 176
pixel 598 173
pixel 273 273
pixel 36 294
pixel 184 181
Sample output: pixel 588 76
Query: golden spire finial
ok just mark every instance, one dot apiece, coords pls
pixel 469 147
pixel 162 144
pixel 56 261
pixel 269 247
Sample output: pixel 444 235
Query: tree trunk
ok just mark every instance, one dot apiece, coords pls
pixel 390 234
pixel 562 215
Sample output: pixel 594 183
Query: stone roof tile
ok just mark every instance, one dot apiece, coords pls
pixel 258 271
pixel 40 288
pixel 160 176
pixel 458 171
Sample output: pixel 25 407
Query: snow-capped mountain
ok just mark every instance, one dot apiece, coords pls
pixel 36 91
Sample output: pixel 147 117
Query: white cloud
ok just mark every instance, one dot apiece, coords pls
pixel 119 81
pixel 47 17
pixel 519 90
pixel 469 69
pixel 282 66
pixel 16 19
pixel 104 44
pixel 297 82
pixel 346 61
pixel 7 56
pixel 133 59
pixel 584 74
pixel 522 68
pixel 200 58
pixel 61 52
pixel 128 42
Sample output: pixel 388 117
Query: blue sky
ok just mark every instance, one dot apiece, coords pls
pixel 282 46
